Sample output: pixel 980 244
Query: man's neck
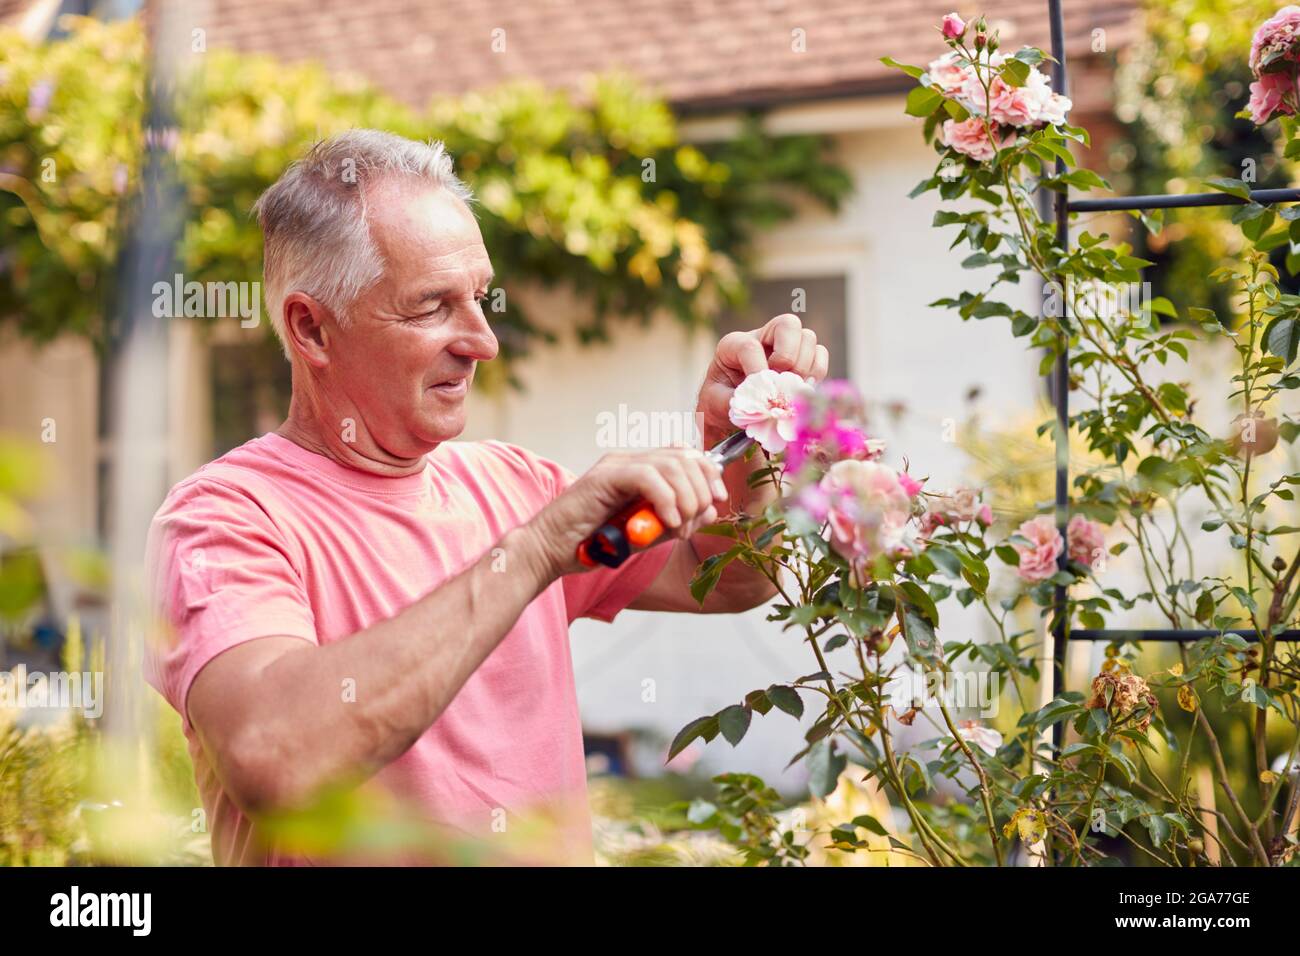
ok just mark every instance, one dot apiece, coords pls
pixel 351 445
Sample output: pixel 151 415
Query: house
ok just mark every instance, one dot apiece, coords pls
pixel 866 274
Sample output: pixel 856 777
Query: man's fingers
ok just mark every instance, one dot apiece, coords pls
pixel 807 353
pixel 785 336
pixel 743 351
pixel 702 474
pixel 651 484
pixel 678 476
pixel 821 364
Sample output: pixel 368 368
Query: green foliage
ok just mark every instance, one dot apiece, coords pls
pixel 746 813
pixel 1178 89
pixel 601 197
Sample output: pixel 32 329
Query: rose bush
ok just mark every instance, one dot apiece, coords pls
pixel 863 555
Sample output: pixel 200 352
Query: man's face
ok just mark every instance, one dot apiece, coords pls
pixel 406 358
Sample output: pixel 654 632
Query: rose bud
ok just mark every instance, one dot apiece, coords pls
pixel 1253 434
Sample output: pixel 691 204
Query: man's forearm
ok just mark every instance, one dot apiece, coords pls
pixel 341 711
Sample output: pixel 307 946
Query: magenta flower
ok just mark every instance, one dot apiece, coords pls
pixel 824 429
pixel 954 27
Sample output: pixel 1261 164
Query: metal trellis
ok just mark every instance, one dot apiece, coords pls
pixel 1060 376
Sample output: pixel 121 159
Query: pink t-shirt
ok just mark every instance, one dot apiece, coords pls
pixel 272 539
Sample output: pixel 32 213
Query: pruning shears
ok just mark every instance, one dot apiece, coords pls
pixel 637 526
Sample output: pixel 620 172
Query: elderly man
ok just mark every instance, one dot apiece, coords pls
pixel 355 599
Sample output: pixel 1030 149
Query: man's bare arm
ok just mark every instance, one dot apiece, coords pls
pixel 271 713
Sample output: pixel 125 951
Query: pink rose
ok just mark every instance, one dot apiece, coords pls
pixel 953 27
pixel 948 74
pixel 1278 33
pixel 868 510
pixel 931 522
pixel 1086 540
pixel 985 516
pixel 910 485
pixel 764 406
pixel 1268 96
pixel 965 504
pixel 813 502
pixel 1038 558
pixel 952 508
pixel 1007 104
pixel 970 139
pixel 1021 106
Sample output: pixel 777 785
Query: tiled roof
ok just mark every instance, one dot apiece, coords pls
pixel 701 54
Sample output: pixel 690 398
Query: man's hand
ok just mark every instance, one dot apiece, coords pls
pixel 683 486
pixel 783 345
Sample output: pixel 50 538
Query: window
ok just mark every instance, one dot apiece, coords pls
pixel 819 301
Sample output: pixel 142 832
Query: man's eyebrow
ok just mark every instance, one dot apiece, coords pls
pixel 441 292
pixel 438 293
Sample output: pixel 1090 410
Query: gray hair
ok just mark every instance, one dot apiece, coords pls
pixel 316 236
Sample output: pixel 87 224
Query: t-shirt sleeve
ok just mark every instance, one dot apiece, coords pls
pixel 220 574
pixel 603 592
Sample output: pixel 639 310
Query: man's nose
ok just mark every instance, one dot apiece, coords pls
pixel 476 339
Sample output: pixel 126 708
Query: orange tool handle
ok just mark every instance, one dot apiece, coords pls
pixel 644 527
pixel 635 527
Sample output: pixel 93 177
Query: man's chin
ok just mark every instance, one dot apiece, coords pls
pixel 443 426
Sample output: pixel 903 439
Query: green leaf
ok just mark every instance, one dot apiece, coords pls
pixel 871 823
pixel 920 636
pixel 1282 338
pixel 786 699
pixel 915 72
pixel 733 721
pixel 824 767
pixel 918 598
pixel 922 101
pixel 710 570
pixel 706 727
pixel 1159 829
pixel 947 561
pixel 1015 72
pixel 1233 187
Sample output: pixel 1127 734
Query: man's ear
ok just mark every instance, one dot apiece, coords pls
pixel 307 327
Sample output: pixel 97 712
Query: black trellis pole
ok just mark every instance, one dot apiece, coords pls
pixel 1060 393
pixel 1060 389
